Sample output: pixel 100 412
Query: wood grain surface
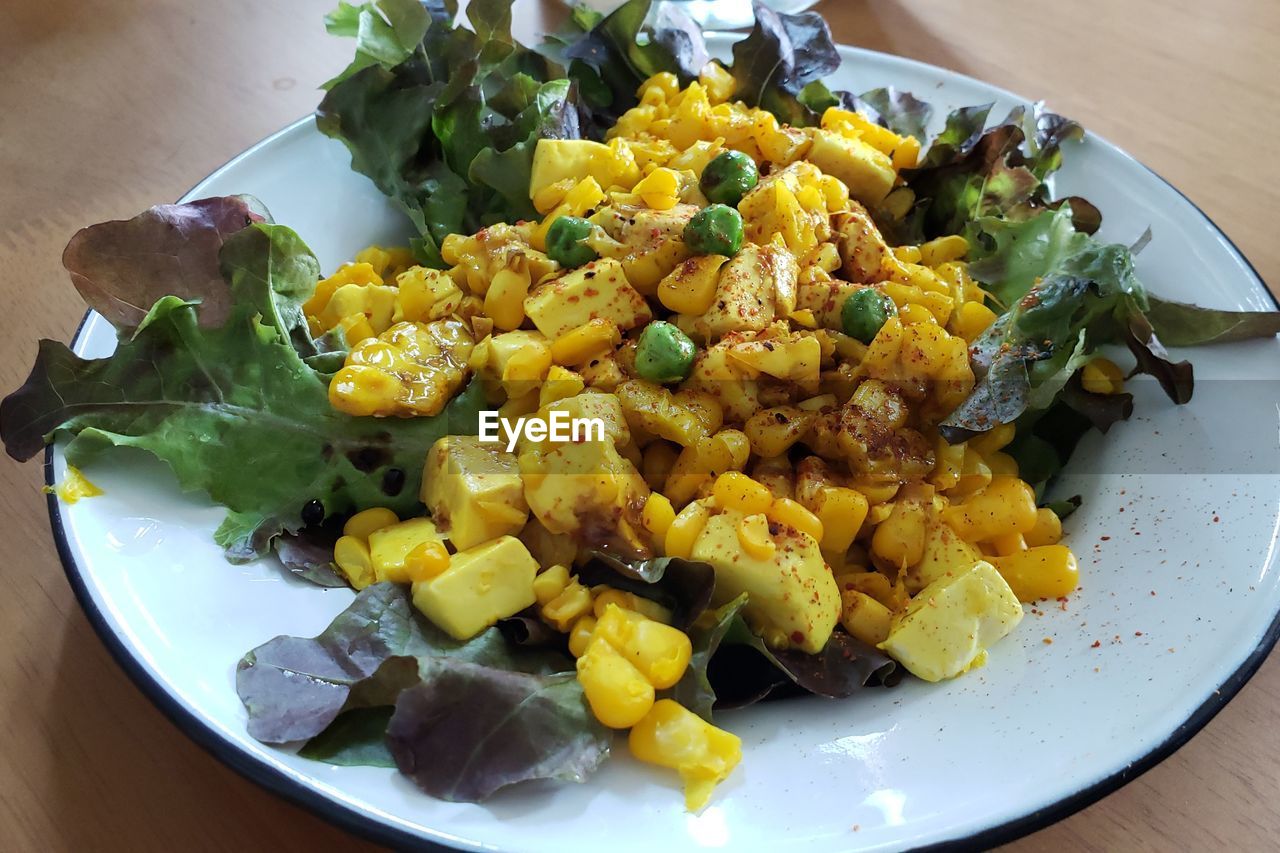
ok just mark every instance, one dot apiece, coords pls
pixel 107 106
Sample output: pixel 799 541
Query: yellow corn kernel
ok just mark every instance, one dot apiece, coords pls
pixel 877 492
pixel 657 515
pixel 912 315
pixel 1006 505
pixel 561 384
pixel 974 474
pixel 948 459
pixel 907 254
pixel 1002 465
pixel 361 390
pixel 972 319
pixel 754 537
pixel 873 584
pixel 659 412
pixel 907 154
pixel 426 561
pixel 735 443
pixel 355 328
pixel 362 524
pixel 717 82
pixel 584 195
pixel 563 610
pixel 660 652
pixel 672 736
pixel 1006 544
pixel 550 583
pixel 684 530
pixel 656 463
pixel 504 300
pixel 580 635
pixel 618 693
pixel 804 317
pixel 841 512
pixel 603 596
pixel 660 189
pixel 352 556
pixel 942 250
pixel 592 339
pixel 793 514
pixel 529 364
pixel 865 618
pixel 992 440
pixel 1048 571
pixel 1047 530
pixel 735 490
pixel 1102 376
pixel 900 537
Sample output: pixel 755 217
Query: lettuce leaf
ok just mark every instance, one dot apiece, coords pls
pixel 235 409
pixel 382 686
pixel 1181 325
pixel 682 586
pixel 446 127
pixel 780 57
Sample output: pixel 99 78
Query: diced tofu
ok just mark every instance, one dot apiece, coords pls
pixel 795 358
pixel 599 289
pixel 473 490
pixel 389 547
pixel 587 490
pixel 593 404
pixel 482 585
pixel 748 290
pixel 944 552
pixel 792 599
pixel 867 173
pixel 949 625
pixel 728 380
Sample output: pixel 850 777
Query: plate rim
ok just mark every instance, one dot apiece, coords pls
pixel 360 823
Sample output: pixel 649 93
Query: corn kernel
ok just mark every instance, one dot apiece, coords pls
pixel 672 736
pixel 657 515
pixel 1049 571
pixel 618 693
pixel 660 189
pixel 735 490
pixel 912 315
pixel 684 530
pixel 942 250
pixel 352 556
pixel 1047 529
pixel 1102 376
pixel 864 617
pixel 899 539
pixel 660 652
pixel 550 583
pixel 792 514
pixel 754 537
pixel 907 154
pixel 841 512
pixel 580 635
pixel 362 524
pixel 1006 505
pixel 426 561
pixel 1006 544
pixel 656 463
pixel 994 439
pixel 1001 464
pixel 563 610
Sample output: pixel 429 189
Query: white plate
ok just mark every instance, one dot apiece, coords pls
pixel 1175 537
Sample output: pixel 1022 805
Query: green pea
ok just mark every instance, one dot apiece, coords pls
pixel 728 177
pixel 864 312
pixel 714 230
pixel 664 353
pixel 564 242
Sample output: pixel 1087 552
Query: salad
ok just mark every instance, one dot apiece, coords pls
pixel 701 384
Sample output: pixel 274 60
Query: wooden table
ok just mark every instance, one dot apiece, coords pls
pixel 108 106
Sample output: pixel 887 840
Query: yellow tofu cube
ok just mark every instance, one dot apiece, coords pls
pixel 598 290
pixel 555 160
pixel 796 358
pixel 587 490
pixel 389 546
pixel 482 585
pixel 867 173
pixel 748 291
pixel 948 626
pixel 473 490
pixel 792 598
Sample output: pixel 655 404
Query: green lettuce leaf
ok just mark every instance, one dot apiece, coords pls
pixel 694 690
pixel 446 127
pixel 386 32
pixel 234 410
pixel 1181 325
pixel 901 112
pixel 357 738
